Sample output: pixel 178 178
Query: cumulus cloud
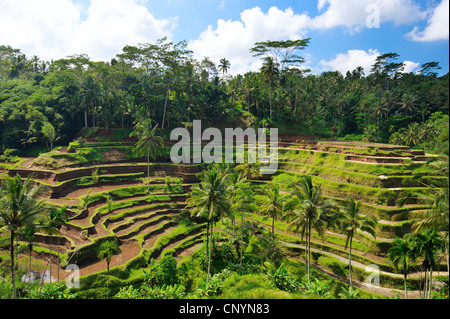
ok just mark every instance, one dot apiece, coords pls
pixel 54 28
pixel 354 14
pixel 410 66
pixel 349 61
pixel 437 27
pixel 233 39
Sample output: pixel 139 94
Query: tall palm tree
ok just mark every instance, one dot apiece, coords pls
pixel 306 209
pixel 269 70
pixel 19 207
pixel 148 144
pixel 427 244
pixel 52 224
pixel 352 221
pixel 210 200
pixel 107 250
pixel 401 255
pixel 90 96
pixel 436 216
pixel 224 66
pixel 273 204
pixel 28 233
pixel 242 202
pixel 408 103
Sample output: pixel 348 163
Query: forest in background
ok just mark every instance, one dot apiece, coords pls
pixel 43 101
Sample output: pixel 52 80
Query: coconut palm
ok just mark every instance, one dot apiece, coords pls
pixel 273 204
pixel 52 224
pixel 90 96
pixel 19 207
pixel 148 144
pixel 224 66
pixel 306 209
pixel 408 103
pixel 210 200
pixel 269 70
pixel 352 221
pixel 107 250
pixel 401 255
pixel 426 245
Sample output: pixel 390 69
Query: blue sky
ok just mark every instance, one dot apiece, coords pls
pixel 344 33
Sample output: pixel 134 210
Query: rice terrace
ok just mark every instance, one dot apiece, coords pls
pixel 333 186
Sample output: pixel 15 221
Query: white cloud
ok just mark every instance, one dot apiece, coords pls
pixel 410 66
pixel 438 25
pixel 349 61
pixel 233 39
pixel 354 14
pixel 53 29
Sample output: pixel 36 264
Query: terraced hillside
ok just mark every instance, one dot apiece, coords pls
pixel 107 198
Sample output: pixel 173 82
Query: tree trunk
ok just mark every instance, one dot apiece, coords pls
pixel 13 271
pixel 148 170
pixel 85 119
pixel 30 248
pixel 406 291
pixel 270 100
pixel 309 249
pixel 350 261
pixel 242 238
pixel 107 280
pixel 446 253
pixel 165 106
pixel 273 226
pixel 430 283
pixel 209 254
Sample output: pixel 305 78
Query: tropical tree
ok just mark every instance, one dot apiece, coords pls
pixel 224 66
pixel 353 221
pixel 426 245
pixel 107 250
pixel 19 207
pixel 49 132
pixel 273 204
pixel 148 144
pixel 401 254
pixel 306 209
pixel 90 96
pixel 408 103
pixel 269 70
pixel 210 200
pixel 51 224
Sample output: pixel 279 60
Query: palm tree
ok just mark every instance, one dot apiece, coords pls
pixel 51 225
pixel 306 210
pixel 352 221
pixel 411 134
pixel 148 144
pixel 408 103
pixel 401 255
pixel 28 233
pixel 269 70
pixel 106 250
pixel 224 66
pixel 243 202
pixel 426 133
pixel 90 97
pixel 19 207
pixel 426 244
pixel 210 200
pixel 273 204
pixel 436 216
